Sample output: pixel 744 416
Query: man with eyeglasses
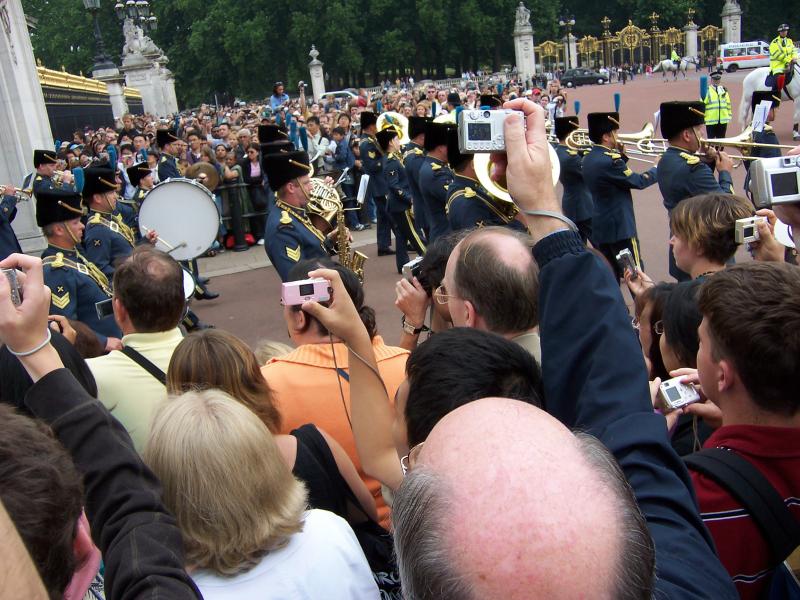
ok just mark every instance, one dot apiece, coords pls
pixel 490 283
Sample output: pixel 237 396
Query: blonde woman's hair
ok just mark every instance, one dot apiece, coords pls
pixel 216 359
pixel 269 349
pixel 225 481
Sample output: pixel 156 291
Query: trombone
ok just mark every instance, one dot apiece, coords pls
pixel 743 141
pixel 642 141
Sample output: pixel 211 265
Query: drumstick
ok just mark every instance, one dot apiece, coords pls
pixel 163 241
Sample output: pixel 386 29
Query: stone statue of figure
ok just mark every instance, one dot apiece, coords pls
pixel 523 16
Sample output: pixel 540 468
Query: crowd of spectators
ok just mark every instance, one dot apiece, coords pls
pixel 520 450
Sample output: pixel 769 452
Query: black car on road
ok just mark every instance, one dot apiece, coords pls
pixel 575 77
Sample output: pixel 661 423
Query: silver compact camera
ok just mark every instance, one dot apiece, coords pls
pixel 626 262
pixel 13 282
pixel 747 229
pixel 775 181
pixel 481 130
pixel 674 394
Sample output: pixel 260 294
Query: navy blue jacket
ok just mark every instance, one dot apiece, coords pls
pixel 74 294
pixel 290 237
pixel 343 157
pixel 413 158
pixel 372 161
pixel 435 178
pixel 8 239
pixel 168 167
pixel 682 175
pixel 41 182
pixel 469 205
pixel 105 246
pixel 397 180
pixel 577 199
pixel 610 182
pixel 595 381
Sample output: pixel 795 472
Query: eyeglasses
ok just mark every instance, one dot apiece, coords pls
pixel 441 295
pixel 658 327
pixel 408 461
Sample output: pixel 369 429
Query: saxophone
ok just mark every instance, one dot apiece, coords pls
pixel 326 203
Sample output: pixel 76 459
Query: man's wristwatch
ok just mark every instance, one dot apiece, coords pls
pixel 411 330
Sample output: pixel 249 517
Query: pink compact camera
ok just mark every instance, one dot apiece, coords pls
pixel 294 293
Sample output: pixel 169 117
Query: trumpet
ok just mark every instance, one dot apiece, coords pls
pixel 58 177
pixel 743 141
pixel 23 195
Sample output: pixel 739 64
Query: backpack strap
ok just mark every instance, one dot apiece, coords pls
pixel 143 362
pixel 758 496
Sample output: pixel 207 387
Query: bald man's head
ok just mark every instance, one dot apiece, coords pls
pixel 492 279
pixel 505 502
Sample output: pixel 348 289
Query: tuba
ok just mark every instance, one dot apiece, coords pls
pixel 396 120
pixel 498 190
pixel 326 204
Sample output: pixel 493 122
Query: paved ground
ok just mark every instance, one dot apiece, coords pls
pixel 250 289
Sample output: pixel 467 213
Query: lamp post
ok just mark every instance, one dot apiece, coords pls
pixel 567 23
pixel 102 61
pixel 138 11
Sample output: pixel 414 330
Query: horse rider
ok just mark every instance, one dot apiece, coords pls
pixel 781 59
pixel 676 59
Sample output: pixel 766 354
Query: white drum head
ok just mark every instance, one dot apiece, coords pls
pixel 183 214
pixel 188 284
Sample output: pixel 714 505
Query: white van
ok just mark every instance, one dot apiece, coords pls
pixel 744 55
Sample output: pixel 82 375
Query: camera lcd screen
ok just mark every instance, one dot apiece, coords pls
pixel 479 132
pixel 306 289
pixel 784 184
pixel 673 394
pixel 747 232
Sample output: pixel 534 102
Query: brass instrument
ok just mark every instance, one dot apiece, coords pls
pixel 498 190
pixel 643 142
pixel 743 141
pixel 23 195
pixel 326 204
pixel 396 120
pixel 205 174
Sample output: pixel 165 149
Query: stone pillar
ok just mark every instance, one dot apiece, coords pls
pixel 143 77
pixel 691 38
pixel 731 22
pixel 570 51
pixel 116 90
pixel 523 44
pixel 23 115
pixel 317 74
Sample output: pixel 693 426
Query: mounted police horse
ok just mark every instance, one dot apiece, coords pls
pixel 667 66
pixel 756 81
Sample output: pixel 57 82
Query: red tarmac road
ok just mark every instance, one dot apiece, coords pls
pixel 249 302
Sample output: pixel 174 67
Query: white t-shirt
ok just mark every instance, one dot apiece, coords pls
pixel 324 561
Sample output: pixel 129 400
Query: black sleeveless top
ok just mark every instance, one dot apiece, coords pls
pixel 315 466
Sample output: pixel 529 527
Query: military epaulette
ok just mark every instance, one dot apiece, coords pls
pixel 572 152
pixel 613 155
pixel 768 129
pixel 164 158
pixel 97 219
pixel 690 159
pixel 435 166
pixel 56 262
pixel 286 219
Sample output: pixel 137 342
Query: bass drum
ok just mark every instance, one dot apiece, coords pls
pixel 183 213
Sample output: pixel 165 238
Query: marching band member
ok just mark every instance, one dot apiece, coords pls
pixel 435 178
pixel 610 181
pixel 169 143
pixel 469 204
pixel 44 163
pixel 290 236
pixel 372 161
pixel 9 244
pixel 76 285
pixel 413 158
pixel 107 237
pixel 141 178
pixel 399 197
pixel 577 199
pixel 681 173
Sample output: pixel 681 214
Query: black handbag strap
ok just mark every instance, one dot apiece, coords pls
pixel 758 496
pixel 143 362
